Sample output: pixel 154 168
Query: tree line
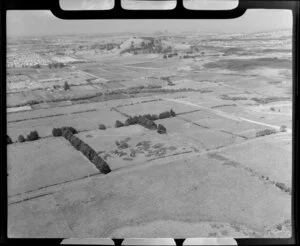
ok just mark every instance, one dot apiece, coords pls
pixel 85 149
pixel 147 121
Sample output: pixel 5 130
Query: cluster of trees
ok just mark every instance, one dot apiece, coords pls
pixel 226 97
pixel 8 140
pixel 170 55
pixel 147 121
pixel 78 144
pixel 21 139
pixel 64 131
pixel 269 99
pixel 32 136
pixel 36 66
pixel 101 127
pixel 167 114
pixel 151 47
pixel 108 46
pixel 190 56
pixel 265 132
pixel 283 128
pixel 56 65
pixel 161 129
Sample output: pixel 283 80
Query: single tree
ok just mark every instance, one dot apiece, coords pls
pixel 172 113
pixel 66 86
pixel 32 136
pixel 283 128
pixel 118 124
pixel 57 132
pixel 164 115
pixel 21 139
pixel 101 127
pixel 9 141
pixel 161 129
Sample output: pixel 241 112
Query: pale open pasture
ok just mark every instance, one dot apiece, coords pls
pixel 200 137
pixel 33 165
pixel 180 191
pixel 271 156
pixel 234 126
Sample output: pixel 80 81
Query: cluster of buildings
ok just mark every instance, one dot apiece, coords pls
pixel 27 59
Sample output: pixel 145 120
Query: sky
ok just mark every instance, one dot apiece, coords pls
pixel 43 22
pixel 86 4
pixel 132 4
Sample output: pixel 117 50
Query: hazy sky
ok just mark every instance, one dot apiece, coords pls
pixel 132 4
pixel 86 4
pixel 38 22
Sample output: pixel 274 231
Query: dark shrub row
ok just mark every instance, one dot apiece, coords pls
pixel 78 144
pixel 147 121
pixel 265 132
pixel 143 120
pixel 269 99
pixel 69 129
pixel 64 131
pixel 226 97
pixel 30 137
pixel 167 114
pixel 56 132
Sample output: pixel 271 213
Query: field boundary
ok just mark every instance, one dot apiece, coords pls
pixel 53 115
pixel 264 178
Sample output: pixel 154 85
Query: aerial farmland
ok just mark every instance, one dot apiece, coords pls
pixel 150 135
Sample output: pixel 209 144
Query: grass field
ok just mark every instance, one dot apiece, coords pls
pixel 212 121
pixel 80 121
pixel 32 165
pixel 202 138
pixel 199 189
pixel 271 156
pixel 252 113
pixel 40 96
pixel 156 107
pixel 243 64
